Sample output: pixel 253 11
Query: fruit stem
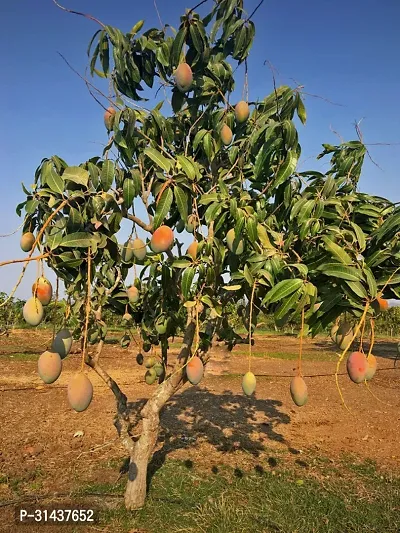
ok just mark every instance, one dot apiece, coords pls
pixel 299 371
pixel 345 352
pixel 89 264
pixel 250 321
pixel 372 322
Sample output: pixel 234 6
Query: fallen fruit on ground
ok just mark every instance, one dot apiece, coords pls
pixel 195 370
pixel 235 244
pixel 242 111
pixel 357 367
pixel 109 117
pixel 80 392
pixel 298 391
pixel 133 294
pixel 33 311
pixel 43 290
pixel 183 77
pixel 249 383
pixel 371 367
pixel 162 239
pixel 62 343
pixel 139 249
pixel 27 241
pixel 226 135
pixel 49 366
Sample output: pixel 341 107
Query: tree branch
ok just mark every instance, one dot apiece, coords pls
pixel 79 13
pixel 143 225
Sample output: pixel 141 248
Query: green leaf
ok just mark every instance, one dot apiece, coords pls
pixel 196 38
pixel 54 181
pixel 76 174
pixel 158 159
pixel 286 305
pixel 128 191
pixel 163 207
pixel 370 281
pixel 338 270
pixel 79 239
pixel 286 169
pixel 187 278
pixel 137 27
pixel 182 201
pixel 107 174
pixel 188 166
pixel 282 290
pixel 232 287
pixel 337 251
pixel 247 276
pixel 177 47
pixel 301 110
pixel 212 211
pixel 251 228
pixel 360 236
pixel 181 263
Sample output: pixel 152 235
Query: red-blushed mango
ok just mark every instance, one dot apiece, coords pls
pixel 27 241
pixel 226 135
pixel 249 383
pixel 62 343
pixel 127 251
pixel 379 305
pixel 150 376
pixel 242 111
pixel 235 245
pixel 133 294
pixel 357 367
pixel 33 311
pixel 162 239
pixel 192 250
pixel 43 290
pixel 184 77
pixel 109 117
pixel 195 370
pixel 49 367
pixel 80 392
pixel 371 368
pixel 139 249
pixel 298 391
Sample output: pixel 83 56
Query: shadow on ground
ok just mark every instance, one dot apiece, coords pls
pixel 383 348
pixel 228 421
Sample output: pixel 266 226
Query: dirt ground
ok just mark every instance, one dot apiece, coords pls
pixel 210 424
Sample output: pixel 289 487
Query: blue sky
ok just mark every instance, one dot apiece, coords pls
pixel 344 52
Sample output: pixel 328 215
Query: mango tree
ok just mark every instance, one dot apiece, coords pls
pixel 306 244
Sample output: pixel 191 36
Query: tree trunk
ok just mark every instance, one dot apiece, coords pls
pixel 136 489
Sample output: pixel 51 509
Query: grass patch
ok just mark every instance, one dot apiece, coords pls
pixel 183 499
pixel 287 356
pixel 21 356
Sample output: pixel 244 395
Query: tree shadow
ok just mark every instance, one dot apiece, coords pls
pixel 229 422
pixel 382 348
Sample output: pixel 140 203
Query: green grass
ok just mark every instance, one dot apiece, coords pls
pixel 287 356
pixel 347 498
pixel 20 356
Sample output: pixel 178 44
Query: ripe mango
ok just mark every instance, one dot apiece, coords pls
pixel 242 111
pixel 249 383
pixel 192 250
pixel 162 239
pixel 109 117
pixel 184 77
pixel 49 367
pixel 298 391
pixel 33 311
pixel 195 370
pixel 27 241
pixel 226 135
pixel 80 392
pixel 371 368
pixel 133 294
pixel 357 366
pixel 139 249
pixel 43 290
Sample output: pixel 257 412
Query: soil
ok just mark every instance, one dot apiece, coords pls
pixel 47 448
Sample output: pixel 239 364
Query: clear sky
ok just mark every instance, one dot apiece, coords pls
pixel 345 52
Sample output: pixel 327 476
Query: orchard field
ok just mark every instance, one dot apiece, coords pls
pixel 219 452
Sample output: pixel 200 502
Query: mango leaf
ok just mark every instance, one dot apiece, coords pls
pixel 247 276
pixel 158 158
pixel 358 288
pixel 372 284
pixel 76 174
pixel 286 169
pixel 232 287
pixel 282 290
pixel 182 200
pixel 107 174
pixel 177 47
pixel 80 239
pixel 54 181
pixel 337 270
pixel 163 207
pixel 286 305
pixel 337 251
pixel 301 110
pixel 187 278
pixel 187 166
pixel 181 263
pixel 360 236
